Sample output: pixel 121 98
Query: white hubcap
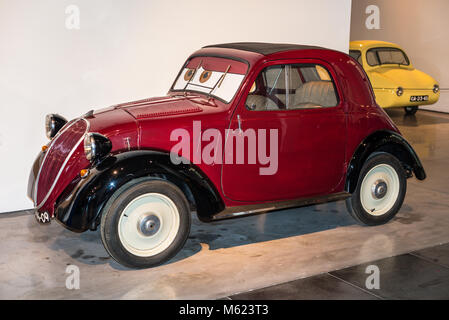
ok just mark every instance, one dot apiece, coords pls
pixel 379 190
pixel 148 224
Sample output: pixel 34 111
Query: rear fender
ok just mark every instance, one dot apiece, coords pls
pixel 383 141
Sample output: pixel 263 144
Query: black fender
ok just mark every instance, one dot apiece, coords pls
pixel 80 205
pixel 383 141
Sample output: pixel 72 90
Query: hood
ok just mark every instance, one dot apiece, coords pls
pixel 160 107
pixel 163 107
pixel 121 123
pixel 116 124
pixel 407 78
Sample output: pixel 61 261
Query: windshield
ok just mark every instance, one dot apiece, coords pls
pixel 217 77
pixel 378 56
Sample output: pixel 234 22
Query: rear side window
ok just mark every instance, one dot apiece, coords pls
pixel 357 55
pixel 371 58
pixel 292 87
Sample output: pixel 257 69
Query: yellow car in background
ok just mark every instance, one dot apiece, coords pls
pixel 395 81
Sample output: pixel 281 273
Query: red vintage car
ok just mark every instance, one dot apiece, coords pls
pixel 245 128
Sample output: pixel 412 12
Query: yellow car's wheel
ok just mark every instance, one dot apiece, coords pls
pixel 410 110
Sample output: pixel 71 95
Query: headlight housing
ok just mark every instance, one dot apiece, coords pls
pixel 53 123
pixel 96 146
pixel 400 91
pixel 436 88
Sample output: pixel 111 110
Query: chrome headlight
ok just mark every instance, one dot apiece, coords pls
pixel 436 88
pixel 400 91
pixel 96 146
pixel 53 123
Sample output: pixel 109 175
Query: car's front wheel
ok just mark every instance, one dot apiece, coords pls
pixel 380 190
pixel 145 223
pixel 411 110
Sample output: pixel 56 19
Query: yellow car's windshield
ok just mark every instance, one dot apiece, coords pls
pixel 378 56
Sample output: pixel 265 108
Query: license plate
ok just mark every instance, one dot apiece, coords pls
pixel 419 98
pixel 42 217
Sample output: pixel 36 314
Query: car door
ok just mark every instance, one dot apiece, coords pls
pixel 294 128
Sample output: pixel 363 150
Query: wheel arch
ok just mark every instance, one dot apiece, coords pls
pixel 383 141
pixel 79 207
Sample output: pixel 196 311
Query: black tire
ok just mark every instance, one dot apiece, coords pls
pixel 354 203
pixel 116 205
pixel 410 110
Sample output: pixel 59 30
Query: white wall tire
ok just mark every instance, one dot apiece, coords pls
pixel 145 223
pixel 148 224
pixel 380 190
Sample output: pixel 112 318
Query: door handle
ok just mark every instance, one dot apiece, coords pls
pixel 239 122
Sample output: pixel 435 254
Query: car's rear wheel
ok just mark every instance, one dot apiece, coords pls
pixel 410 110
pixel 380 190
pixel 145 223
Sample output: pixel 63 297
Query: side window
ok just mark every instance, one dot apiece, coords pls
pixel 357 55
pixel 281 80
pixel 291 87
pixel 371 58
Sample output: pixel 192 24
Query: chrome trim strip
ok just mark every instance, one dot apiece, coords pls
pixel 244 213
pixel 63 165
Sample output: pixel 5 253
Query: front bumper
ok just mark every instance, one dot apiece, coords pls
pixel 387 98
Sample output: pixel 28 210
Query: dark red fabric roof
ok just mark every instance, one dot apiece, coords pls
pixel 262 47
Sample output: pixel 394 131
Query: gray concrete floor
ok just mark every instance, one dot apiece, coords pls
pixel 422 275
pixel 230 257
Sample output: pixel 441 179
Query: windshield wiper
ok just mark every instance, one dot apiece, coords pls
pixel 219 82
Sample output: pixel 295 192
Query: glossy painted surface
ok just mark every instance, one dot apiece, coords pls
pixel 387 78
pixel 316 146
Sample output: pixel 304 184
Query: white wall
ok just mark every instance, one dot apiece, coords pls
pixel 124 50
pixel 420 27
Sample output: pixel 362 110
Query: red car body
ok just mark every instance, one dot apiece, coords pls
pixel 321 150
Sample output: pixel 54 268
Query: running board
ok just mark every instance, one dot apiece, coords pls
pixel 252 209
